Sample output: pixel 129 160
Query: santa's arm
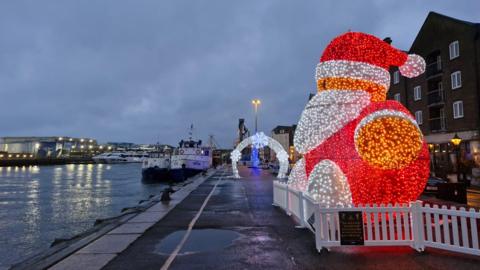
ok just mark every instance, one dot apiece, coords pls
pixel 388 139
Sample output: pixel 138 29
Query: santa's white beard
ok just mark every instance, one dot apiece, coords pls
pixel 325 114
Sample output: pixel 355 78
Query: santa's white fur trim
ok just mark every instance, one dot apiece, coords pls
pixel 354 70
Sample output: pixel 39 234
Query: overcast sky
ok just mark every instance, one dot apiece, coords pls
pixel 143 71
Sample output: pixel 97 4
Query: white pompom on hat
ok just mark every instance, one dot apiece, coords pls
pixel 414 66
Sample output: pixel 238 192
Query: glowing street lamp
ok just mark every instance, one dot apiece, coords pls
pixel 456 140
pixel 456 143
pixel 256 102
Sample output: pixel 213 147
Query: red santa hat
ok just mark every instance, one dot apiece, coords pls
pixel 366 57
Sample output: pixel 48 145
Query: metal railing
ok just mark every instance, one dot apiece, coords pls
pixel 435 96
pixel 437 124
pixel 415 225
pixel 433 68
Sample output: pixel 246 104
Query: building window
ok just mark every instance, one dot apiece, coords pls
pixel 396 77
pixel 454 50
pixel 457 109
pixel 456 78
pixel 397 97
pixel 417 93
pixel 419 117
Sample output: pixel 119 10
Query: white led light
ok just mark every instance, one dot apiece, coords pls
pixel 328 185
pixel 261 140
pixel 326 113
pixel 298 177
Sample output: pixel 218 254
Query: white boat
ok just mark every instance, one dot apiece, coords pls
pixel 121 157
pixel 190 159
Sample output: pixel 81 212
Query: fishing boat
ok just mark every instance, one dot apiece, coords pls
pixel 156 168
pixel 189 159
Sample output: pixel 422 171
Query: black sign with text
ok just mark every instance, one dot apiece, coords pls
pixel 351 228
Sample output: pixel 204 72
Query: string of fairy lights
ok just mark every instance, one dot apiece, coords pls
pixel 260 140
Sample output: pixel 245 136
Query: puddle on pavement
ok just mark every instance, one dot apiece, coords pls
pixel 201 240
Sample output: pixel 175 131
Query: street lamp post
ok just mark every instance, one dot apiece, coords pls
pixel 456 143
pixel 255 103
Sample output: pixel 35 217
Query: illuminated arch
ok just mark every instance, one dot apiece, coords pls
pixel 260 140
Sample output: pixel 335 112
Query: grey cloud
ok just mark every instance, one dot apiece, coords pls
pixel 143 71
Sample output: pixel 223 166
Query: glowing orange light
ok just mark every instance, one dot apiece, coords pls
pixel 389 142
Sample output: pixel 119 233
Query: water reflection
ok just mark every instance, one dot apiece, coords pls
pixel 41 203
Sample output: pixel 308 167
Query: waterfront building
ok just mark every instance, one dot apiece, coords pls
pixel 445 99
pixel 46 147
pixel 122 146
pixel 284 135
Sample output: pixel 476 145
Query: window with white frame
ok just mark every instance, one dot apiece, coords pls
pixel 456 78
pixel 397 97
pixel 417 93
pixel 396 77
pixel 419 117
pixel 457 109
pixel 454 49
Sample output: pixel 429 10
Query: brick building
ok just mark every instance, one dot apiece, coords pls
pixel 284 135
pixel 445 99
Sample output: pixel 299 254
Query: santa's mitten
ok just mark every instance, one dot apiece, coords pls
pixel 388 139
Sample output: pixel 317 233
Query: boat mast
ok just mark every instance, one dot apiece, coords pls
pixel 190 133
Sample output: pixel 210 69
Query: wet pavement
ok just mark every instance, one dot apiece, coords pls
pixel 240 229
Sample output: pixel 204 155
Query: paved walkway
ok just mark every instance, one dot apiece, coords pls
pixel 265 237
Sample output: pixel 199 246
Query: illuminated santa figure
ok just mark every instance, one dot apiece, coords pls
pixel 359 147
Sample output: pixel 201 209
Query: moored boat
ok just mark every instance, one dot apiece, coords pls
pixel 156 168
pixel 120 157
pixel 189 159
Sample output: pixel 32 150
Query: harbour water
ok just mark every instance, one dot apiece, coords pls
pixel 41 203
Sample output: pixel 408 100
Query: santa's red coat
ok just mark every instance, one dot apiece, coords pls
pixel 369 184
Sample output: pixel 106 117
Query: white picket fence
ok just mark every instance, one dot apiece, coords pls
pixel 415 225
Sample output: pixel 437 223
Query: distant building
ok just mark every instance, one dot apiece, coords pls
pixel 52 147
pixel 122 145
pixel 445 99
pixel 284 135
